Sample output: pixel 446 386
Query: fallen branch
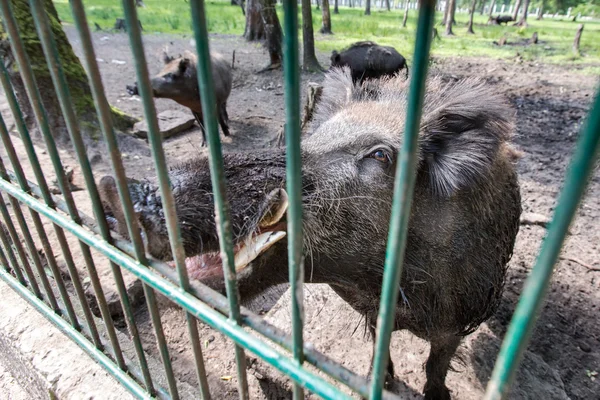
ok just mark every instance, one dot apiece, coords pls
pixel 583 264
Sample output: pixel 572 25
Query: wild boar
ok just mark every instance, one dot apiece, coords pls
pixel 462 227
pixel 178 81
pixel 369 60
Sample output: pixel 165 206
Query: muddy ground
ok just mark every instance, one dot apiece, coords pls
pixel 551 102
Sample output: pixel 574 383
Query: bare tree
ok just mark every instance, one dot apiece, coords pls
pixel 405 14
pixel 516 10
pixel 368 8
pixel 540 15
pixel 523 20
pixel 255 29
pixel 310 62
pixel 335 7
pixel 471 13
pixel 446 8
pixel 326 26
pixel 577 39
pixel 492 8
pixel 450 17
pixel 262 24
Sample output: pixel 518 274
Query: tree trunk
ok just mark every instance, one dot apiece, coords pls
pixel 387 5
pixel 450 17
pixel 471 13
pixel 482 7
pixel 262 24
pixel 577 40
pixel 310 62
pixel 326 27
pixel 335 7
pixel 79 89
pixel 540 15
pixel 523 21
pixel 318 4
pixel 368 8
pixel 405 15
pixel 273 33
pixel 492 8
pixel 255 29
pixel 516 10
pixel 446 8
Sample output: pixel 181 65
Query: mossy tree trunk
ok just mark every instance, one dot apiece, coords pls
pixel 81 95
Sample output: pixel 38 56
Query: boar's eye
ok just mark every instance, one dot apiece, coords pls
pixel 381 155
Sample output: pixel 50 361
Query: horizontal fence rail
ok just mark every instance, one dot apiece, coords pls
pixel 23 270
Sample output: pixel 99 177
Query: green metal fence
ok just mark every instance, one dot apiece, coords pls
pixel 286 353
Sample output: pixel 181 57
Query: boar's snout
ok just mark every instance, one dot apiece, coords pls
pixel 132 90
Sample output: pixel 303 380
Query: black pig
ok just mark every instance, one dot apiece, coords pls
pixel 178 81
pixel 462 228
pixel 369 60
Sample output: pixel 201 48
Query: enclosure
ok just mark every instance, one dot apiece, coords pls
pixel 96 286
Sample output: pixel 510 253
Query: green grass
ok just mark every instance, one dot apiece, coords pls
pixel 173 16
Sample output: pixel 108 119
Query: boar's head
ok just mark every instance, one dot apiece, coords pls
pixel 463 221
pixel 178 80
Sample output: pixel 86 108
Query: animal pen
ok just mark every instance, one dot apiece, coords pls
pixel 23 271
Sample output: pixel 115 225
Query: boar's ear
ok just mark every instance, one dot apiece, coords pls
pixel 338 91
pixel 166 58
pixel 463 128
pixel 183 64
pixel 335 56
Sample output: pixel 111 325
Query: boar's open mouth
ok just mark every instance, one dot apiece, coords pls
pixel 270 229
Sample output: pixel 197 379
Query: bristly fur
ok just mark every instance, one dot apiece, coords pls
pixel 463 123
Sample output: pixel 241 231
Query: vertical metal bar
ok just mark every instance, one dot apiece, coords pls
pixel 97 355
pixel 217 175
pixel 403 195
pixel 11 256
pixel 45 193
pixel 26 71
pixel 33 255
pixel 519 331
pixel 105 118
pixel 60 284
pixel 35 99
pixel 62 90
pixel 137 48
pixel 43 188
pixel 294 178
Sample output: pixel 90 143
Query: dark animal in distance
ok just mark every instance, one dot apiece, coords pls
pixel 368 60
pixel 500 19
pixel 178 80
pixel 462 228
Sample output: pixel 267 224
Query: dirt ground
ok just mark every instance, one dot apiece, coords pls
pixel 551 102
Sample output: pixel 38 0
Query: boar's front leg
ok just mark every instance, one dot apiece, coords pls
pixel 438 362
pixel 200 121
pixel 223 119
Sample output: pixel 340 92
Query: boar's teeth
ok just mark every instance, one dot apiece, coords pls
pixel 278 204
pixel 258 245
